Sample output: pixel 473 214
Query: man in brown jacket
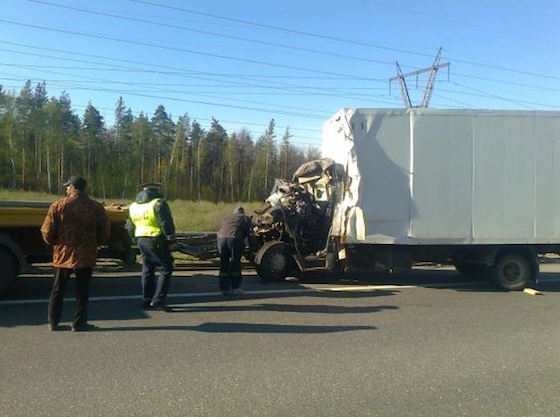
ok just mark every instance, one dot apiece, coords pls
pixel 74 226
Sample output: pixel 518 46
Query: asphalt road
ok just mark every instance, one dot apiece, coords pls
pixel 422 344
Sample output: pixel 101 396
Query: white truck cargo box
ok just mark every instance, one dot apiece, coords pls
pixel 427 176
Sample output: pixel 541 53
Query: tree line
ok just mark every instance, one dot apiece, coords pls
pixel 44 141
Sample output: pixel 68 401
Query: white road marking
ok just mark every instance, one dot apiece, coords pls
pixel 351 288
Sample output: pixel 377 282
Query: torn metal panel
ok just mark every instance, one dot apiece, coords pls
pixel 299 212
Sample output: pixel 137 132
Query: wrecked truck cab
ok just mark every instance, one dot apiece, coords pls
pixel 290 233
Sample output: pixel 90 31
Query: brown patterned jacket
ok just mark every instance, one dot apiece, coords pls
pixel 74 227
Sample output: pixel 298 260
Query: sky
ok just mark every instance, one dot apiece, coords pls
pixel 245 62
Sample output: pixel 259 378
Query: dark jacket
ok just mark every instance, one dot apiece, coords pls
pixel 163 213
pixel 74 226
pixel 235 226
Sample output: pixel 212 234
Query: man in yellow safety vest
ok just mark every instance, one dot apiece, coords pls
pixel 151 224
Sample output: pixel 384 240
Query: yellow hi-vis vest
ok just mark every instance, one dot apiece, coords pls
pixel 144 218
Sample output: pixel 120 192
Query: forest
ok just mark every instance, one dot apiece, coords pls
pixel 44 141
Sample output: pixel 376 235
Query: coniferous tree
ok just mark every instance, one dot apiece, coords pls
pixel 44 142
pixel 198 155
pixel 61 137
pixel 233 160
pixel 8 170
pixel 122 157
pixel 141 132
pixel 92 141
pixel 214 162
pixel 246 162
pixel 285 154
pixel 187 160
pixel 38 130
pixel 265 166
pixel 163 134
pixel 23 115
pixel 176 173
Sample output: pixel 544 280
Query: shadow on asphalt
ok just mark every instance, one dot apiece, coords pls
pixel 281 308
pixel 446 279
pixel 38 288
pixel 243 328
pixel 200 290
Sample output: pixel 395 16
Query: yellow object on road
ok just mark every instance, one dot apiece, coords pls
pixel 532 291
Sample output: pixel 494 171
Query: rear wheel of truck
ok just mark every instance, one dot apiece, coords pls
pixel 272 262
pixel 512 271
pixel 9 270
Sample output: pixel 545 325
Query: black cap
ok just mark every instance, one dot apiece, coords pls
pixel 154 185
pixel 79 183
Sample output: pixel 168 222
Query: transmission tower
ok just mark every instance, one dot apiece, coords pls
pixel 429 84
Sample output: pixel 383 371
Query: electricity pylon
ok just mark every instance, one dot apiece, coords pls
pixel 429 84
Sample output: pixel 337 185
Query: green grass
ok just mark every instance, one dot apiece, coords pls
pixel 204 216
pixel 189 216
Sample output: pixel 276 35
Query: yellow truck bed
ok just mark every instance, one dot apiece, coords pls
pixel 32 213
pixel 21 243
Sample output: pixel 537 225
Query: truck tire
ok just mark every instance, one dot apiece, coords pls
pixel 9 271
pixel 272 262
pixel 512 271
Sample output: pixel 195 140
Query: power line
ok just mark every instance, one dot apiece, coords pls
pixel 284 87
pixel 334 38
pixel 204 32
pixel 174 49
pixel 278 28
pixel 191 74
pixel 486 94
pixel 285 90
pixel 462 22
pixel 246 39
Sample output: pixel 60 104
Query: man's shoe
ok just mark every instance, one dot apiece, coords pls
pixel 146 305
pixel 158 306
pixel 84 327
pixel 57 327
pixel 237 291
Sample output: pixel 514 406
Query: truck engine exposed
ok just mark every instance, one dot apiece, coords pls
pixel 296 218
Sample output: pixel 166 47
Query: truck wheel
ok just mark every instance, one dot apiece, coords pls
pixel 274 263
pixel 9 271
pixel 512 271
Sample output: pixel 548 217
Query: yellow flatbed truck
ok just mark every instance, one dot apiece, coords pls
pixel 21 243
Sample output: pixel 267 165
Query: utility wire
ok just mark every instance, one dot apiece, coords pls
pixel 172 48
pixel 204 32
pixel 334 38
pixel 284 87
pixel 281 29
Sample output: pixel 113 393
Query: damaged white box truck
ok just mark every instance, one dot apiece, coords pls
pixel 479 189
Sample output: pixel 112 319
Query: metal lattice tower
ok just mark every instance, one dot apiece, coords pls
pixel 429 84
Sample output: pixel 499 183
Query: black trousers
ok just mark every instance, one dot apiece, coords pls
pixel 155 254
pixel 230 251
pixel 56 301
